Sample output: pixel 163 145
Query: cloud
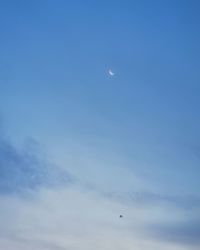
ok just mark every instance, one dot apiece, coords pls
pixel 25 169
pixel 66 214
pixel 184 233
pixel 72 216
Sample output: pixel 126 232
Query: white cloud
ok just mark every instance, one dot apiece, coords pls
pixel 74 219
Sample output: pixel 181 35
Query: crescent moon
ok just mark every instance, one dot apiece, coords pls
pixel 110 72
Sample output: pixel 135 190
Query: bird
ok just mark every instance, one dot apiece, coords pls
pixel 121 216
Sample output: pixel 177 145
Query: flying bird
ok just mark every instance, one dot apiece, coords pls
pixel 121 216
pixel 110 72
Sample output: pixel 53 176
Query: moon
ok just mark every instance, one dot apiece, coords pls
pixel 111 73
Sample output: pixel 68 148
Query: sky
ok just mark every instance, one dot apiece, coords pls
pixel 79 147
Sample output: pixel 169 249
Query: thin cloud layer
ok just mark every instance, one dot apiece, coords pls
pixel 25 170
pixel 186 233
pixel 74 218
pixel 60 216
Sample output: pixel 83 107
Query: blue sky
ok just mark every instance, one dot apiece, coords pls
pixel 69 131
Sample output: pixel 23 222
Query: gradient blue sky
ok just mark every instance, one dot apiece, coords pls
pixel 130 141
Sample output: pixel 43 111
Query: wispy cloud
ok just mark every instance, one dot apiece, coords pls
pixel 25 169
pixel 76 218
pixel 64 214
pixel 186 232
